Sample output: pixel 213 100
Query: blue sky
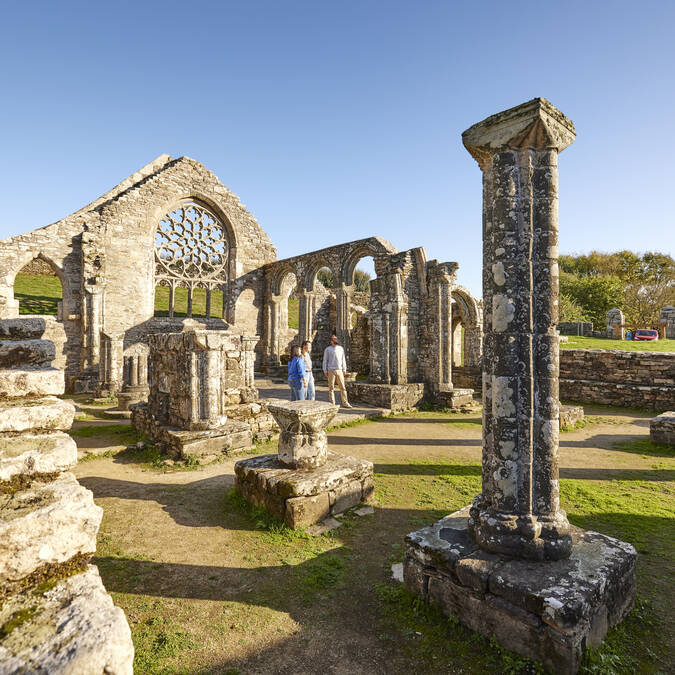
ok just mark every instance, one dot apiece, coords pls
pixel 334 121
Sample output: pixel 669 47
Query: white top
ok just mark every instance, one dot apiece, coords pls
pixel 334 358
pixel 308 363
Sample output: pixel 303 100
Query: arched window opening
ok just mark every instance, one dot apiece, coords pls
pixel 325 279
pixel 38 288
pixel 288 314
pixel 191 262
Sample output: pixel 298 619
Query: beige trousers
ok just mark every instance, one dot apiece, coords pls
pixel 333 376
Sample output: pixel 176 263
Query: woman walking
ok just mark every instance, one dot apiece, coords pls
pixel 306 352
pixel 297 376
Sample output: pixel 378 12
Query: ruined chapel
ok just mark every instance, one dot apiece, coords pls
pixel 173 229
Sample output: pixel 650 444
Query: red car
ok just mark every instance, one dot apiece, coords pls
pixel 646 334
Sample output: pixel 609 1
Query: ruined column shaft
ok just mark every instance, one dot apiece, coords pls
pixel 518 511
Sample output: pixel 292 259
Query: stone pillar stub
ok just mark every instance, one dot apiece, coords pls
pixel 518 511
pixel 303 443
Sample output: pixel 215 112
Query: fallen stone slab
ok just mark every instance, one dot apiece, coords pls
pixel 20 353
pixel 24 383
pixel 73 628
pixel 324 526
pixel 49 522
pixel 45 414
pixel 30 454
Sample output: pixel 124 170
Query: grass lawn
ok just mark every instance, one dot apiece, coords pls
pixel 627 345
pixel 37 293
pixel 180 302
pixel 212 585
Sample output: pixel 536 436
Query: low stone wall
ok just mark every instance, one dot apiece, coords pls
pixel 570 415
pixel 662 428
pixel 395 397
pixel 616 377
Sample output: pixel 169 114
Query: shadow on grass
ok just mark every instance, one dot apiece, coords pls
pixel 360 440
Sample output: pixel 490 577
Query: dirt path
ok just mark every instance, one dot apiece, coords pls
pixel 188 566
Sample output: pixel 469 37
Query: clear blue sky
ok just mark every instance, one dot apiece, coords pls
pixel 334 121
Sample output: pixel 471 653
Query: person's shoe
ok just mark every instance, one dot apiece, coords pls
pixel 347 405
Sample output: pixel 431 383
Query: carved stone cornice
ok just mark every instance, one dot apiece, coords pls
pixel 535 125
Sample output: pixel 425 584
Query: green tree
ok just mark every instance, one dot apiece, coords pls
pixel 594 294
pixel 362 281
pixel 569 310
pixel 325 276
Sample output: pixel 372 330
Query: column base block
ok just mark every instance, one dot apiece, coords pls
pixel 395 397
pixel 547 611
pixel 302 497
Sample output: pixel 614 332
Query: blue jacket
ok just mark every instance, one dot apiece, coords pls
pixel 296 368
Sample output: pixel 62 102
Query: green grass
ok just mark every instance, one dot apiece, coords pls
pixel 626 345
pixel 122 434
pixel 37 293
pixel 180 302
pixel 293 313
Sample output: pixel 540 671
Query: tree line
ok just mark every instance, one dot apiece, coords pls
pixel 638 284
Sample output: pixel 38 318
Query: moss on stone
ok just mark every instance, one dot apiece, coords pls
pixel 18 619
pixel 25 481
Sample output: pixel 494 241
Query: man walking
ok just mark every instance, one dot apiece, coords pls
pixel 334 368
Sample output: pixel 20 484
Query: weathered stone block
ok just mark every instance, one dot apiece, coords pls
pixel 304 511
pixel 73 628
pixel 33 454
pixel 549 611
pixel 662 428
pixel 345 496
pixel 44 414
pixel 21 353
pixel 570 415
pixel 19 383
pixel 46 523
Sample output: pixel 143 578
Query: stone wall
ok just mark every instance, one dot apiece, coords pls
pixel 55 615
pixel 394 397
pixel 104 256
pixel 667 316
pixel 615 377
pixel 576 328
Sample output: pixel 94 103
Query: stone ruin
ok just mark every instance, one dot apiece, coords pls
pixel 511 566
pixel 203 402
pixel 615 324
pixel 172 233
pixel 55 614
pixel 305 482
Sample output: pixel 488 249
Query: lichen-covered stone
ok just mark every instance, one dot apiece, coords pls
pixel 304 496
pixel 25 382
pixel 72 628
pixel 21 353
pixel 662 428
pixel 546 610
pixel 303 442
pixel 30 454
pixel 36 414
pixel 48 522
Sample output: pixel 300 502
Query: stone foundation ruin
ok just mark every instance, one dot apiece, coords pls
pixel 511 566
pixel 55 614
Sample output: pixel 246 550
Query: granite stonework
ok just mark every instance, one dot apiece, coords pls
pixel 304 482
pixel 510 566
pixel 453 399
pixel 302 497
pixel 662 428
pixel 48 528
pixel 549 611
pixel 620 378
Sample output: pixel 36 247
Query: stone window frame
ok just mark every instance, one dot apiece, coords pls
pixel 218 281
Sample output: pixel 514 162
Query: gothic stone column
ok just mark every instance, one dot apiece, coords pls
pixel 518 512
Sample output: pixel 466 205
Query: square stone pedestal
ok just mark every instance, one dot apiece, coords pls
pixel 548 611
pixel 302 497
pixel 394 397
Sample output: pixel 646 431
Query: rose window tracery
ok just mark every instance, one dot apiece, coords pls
pixel 191 245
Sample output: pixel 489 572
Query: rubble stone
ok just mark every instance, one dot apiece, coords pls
pixel 35 414
pixel 662 428
pixel 26 353
pixel 24 382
